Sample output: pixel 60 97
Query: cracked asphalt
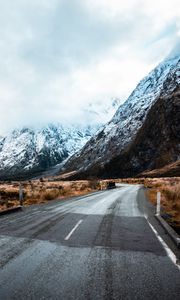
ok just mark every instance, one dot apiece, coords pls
pixel 98 246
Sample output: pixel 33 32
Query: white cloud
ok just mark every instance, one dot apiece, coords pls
pixel 56 56
pixel 112 75
pixel 164 10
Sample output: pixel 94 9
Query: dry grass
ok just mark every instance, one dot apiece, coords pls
pixel 41 191
pixel 171 203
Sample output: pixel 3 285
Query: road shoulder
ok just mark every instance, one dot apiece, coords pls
pixel 149 212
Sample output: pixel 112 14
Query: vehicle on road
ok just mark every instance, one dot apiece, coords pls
pixel 111 185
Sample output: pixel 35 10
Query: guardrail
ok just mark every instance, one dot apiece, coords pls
pixel 172 233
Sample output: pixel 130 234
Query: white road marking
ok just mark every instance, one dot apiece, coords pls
pixel 169 252
pixel 74 228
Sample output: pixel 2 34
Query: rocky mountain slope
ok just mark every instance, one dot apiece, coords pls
pixel 144 132
pixel 28 152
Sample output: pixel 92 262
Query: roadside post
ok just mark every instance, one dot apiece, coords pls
pixel 158 206
pixel 21 194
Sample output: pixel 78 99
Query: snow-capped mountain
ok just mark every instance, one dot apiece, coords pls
pixel 27 152
pixel 117 136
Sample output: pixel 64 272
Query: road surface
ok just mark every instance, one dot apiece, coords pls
pixel 99 246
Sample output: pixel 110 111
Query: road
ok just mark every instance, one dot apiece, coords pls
pixel 99 246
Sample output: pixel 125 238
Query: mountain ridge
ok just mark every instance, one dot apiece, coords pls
pixel 118 135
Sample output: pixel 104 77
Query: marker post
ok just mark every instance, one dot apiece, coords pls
pixel 21 194
pixel 158 206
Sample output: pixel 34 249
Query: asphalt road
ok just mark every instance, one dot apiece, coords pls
pixel 99 246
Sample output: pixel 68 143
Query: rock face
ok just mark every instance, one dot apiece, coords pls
pixel 144 132
pixel 26 153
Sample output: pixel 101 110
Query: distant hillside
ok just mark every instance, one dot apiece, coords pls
pixel 171 170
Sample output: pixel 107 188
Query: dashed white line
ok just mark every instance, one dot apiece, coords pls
pixel 72 231
pixel 165 246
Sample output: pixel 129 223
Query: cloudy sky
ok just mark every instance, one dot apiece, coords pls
pixel 56 56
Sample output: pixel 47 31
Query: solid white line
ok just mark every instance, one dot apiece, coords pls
pixel 74 228
pixel 165 246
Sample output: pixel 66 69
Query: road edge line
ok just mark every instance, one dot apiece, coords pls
pixel 174 236
pixel 169 252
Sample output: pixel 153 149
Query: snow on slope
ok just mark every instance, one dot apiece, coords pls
pixel 26 149
pixel 129 118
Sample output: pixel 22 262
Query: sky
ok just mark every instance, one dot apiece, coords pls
pixel 57 56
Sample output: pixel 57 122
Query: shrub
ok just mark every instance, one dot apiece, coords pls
pixel 50 195
pixel 172 193
pixel 9 194
pixel 83 187
pixel 94 184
